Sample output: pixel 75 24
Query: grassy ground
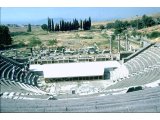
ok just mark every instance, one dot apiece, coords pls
pixel 70 39
pixel 150 30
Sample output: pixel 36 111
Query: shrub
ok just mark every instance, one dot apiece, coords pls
pixel 110 25
pixel 134 33
pixel 60 48
pixel 21 44
pixel 154 34
pixel 34 41
pixel 101 27
pixel 113 37
pixel 86 37
pixel 20 33
pixel 52 42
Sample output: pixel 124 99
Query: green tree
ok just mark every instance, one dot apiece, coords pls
pixel 133 23
pixel 5 37
pixel 158 20
pixel 126 24
pixel 148 21
pixel 140 24
pixel 119 27
pixel 44 27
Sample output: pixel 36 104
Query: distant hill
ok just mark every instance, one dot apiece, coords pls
pixel 97 23
pixel 35 22
pixel 56 20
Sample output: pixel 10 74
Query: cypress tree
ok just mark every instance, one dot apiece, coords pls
pixel 84 24
pixel 76 24
pixel 63 25
pixel 72 25
pixel 89 23
pixel 49 24
pixel 29 28
pixel 60 25
pixel 52 25
pixel 81 24
pixel 57 27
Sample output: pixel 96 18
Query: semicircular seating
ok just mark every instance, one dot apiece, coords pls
pixel 139 71
pixel 16 77
pixel 143 69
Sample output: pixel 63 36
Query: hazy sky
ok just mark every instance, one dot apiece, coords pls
pixel 33 14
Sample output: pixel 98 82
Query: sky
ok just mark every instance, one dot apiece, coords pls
pixel 29 14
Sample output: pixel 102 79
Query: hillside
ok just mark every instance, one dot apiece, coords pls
pixel 156 15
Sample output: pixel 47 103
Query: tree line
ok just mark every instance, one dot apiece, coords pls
pixel 67 25
pixel 144 22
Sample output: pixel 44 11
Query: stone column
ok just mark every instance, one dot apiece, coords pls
pixel 16 53
pixel 110 44
pixel 31 49
pixel 49 49
pixel 118 43
pixel 126 42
